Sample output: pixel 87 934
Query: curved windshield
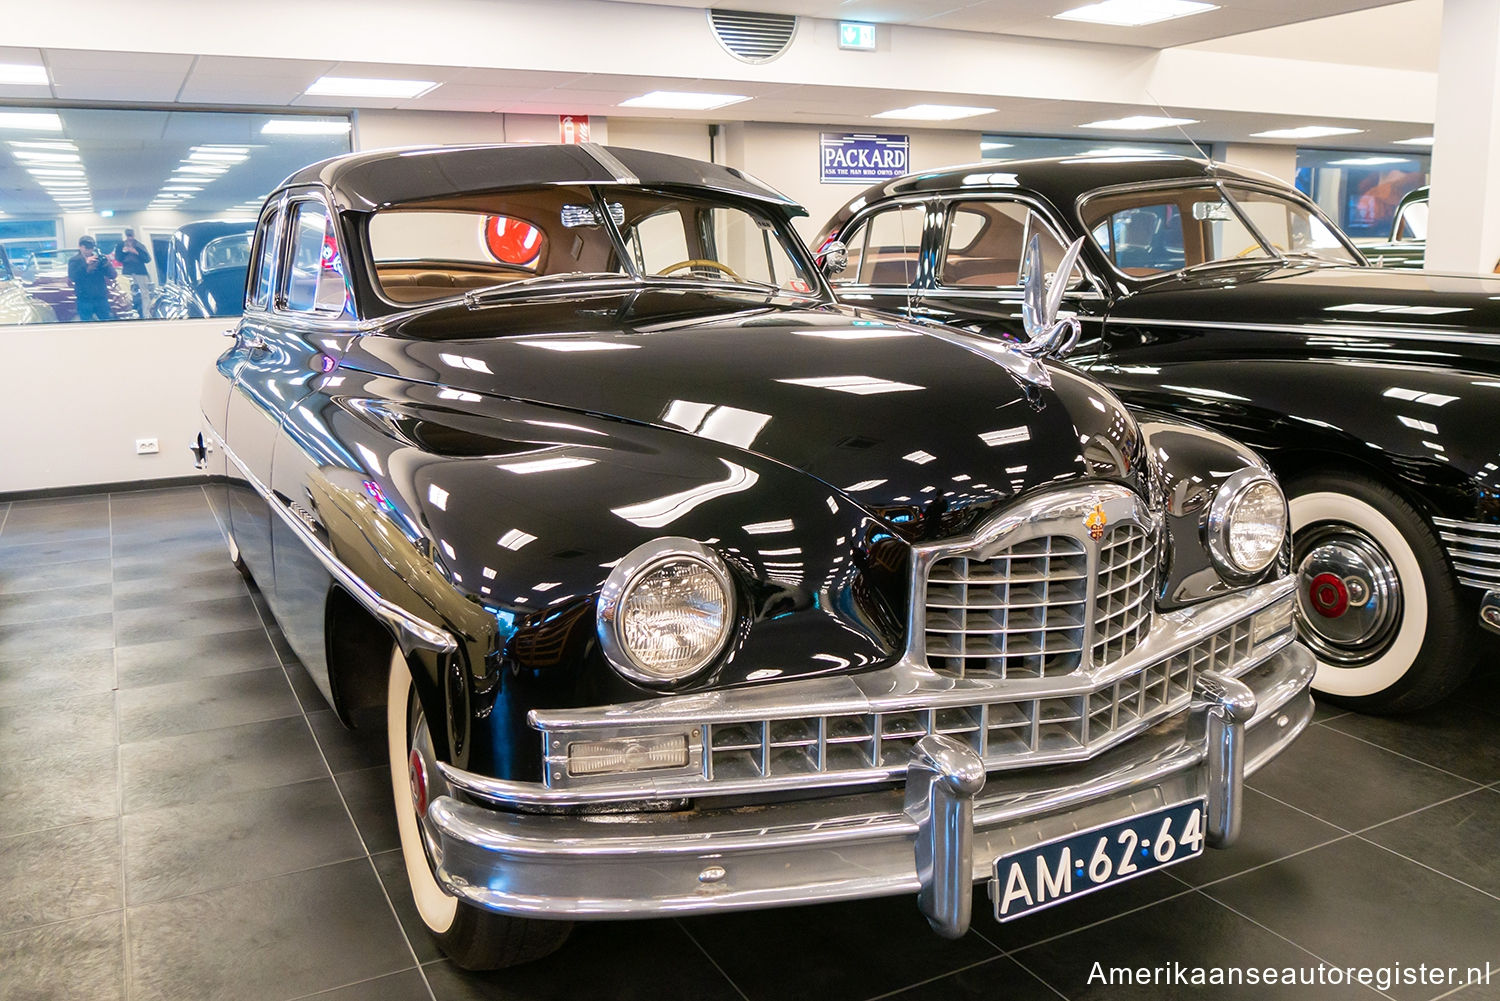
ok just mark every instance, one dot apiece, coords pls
pixel 540 237
pixel 1155 231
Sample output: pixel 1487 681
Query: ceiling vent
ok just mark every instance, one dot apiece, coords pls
pixel 753 36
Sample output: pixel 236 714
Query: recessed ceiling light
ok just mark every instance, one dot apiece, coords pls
pixel 55 171
pixel 354 86
pixel 1368 161
pixel 1306 132
pixel 30 156
pixel 683 100
pixel 200 168
pixel 213 156
pixel 1418 141
pixel 995 145
pixel 41 121
pixel 62 144
pixel 304 127
pixel 1138 123
pixel 934 112
pixel 23 75
pixel 1132 13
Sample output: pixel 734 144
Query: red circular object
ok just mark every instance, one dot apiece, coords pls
pixel 416 770
pixel 512 241
pixel 1330 598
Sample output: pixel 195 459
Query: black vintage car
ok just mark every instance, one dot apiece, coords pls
pixel 685 588
pixel 1226 297
pixel 205 271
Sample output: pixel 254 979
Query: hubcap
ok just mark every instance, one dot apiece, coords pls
pixel 424 779
pixel 1348 594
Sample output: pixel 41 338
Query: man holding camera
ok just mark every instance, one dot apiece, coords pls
pixel 91 274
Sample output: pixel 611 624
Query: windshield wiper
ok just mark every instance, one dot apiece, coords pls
pixel 489 293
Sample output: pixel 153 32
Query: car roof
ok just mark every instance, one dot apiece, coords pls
pixel 373 179
pixel 1062 179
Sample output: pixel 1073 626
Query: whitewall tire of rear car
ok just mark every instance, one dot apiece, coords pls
pixel 436 907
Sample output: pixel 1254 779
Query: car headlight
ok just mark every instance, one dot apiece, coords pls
pixel 1246 523
pixel 665 611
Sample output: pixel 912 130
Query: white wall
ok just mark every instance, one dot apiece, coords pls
pixel 1278 161
pixel 77 396
pixel 377 129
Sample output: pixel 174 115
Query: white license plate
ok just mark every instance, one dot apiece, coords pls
pixel 1077 864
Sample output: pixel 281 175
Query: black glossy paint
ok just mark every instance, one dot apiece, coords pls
pixel 485 467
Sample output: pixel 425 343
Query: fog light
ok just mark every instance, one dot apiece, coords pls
pixel 627 754
pixel 1270 621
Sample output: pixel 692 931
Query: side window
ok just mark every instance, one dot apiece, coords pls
pixel 315 273
pixel 986 244
pixel 854 241
pixel 264 278
pixel 892 248
pixel 1412 223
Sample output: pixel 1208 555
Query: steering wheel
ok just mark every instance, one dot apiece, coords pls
pixel 1255 246
pixel 701 262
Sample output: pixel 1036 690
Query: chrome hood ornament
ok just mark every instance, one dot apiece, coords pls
pixel 1047 336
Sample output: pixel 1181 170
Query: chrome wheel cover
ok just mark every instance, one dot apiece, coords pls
pixel 1348 594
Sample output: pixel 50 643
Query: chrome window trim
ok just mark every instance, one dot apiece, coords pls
pixel 291 201
pixel 411 631
pixel 252 281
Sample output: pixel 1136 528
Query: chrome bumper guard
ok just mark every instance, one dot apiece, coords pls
pixel 1489 611
pixel 936 836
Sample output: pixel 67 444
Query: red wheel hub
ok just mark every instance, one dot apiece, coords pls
pixel 1328 595
pixel 416 770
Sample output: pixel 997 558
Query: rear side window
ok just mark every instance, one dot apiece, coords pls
pixel 985 244
pixel 315 277
pixel 264 278
pixel 885 248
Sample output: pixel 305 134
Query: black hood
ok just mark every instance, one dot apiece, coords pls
pixel 925 426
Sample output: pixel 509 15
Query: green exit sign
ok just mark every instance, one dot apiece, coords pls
pixel 853 35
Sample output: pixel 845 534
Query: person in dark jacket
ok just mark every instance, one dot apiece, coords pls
pixel 133 257
pixel 90 272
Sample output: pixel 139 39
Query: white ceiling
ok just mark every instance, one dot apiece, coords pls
pixel 1035 18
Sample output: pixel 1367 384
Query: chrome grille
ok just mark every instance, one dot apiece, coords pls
pixel 1474 548
pixel 1005 734
pixel 1018 614
pixel 1122 606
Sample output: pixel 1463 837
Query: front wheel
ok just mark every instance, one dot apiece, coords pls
pixel 1376 601
pixel 473 938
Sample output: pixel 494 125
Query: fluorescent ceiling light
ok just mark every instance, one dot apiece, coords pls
pixel 1138 123
pixel 1120 151
pixel 353 86
pixel 1306 132
pixel 30 156
pixel 683 100
pixel 23 75
pixel 304 127
pixel 934 112
pixel 62 144
pixel 1133 13
pixel 200 168
pixel 55 171
pixel 214 156
pixel 995 145
pixel 40 121
pixel 1418 141
pixel 1368 161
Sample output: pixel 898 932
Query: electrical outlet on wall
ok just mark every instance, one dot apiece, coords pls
pixel 147 446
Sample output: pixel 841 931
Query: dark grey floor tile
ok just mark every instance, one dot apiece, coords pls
pixel 204 704
pixel 67 872
pixel 1351 783
pixel 1459 838
pixel 391 868
pixel 61 551
pixel 1270 830
pixel 189 618
pixel 157 499
pixel 1455 736
pixel 601 961
pixel 1190 931
pixel 309 696
pixel 864 948
pixel 998 979
pixel 278 938
pixel 57 603
pixel 146 565
pixel 60 785
pixel 155 592
pixel 77 722
pixel 244 837
pixel 408 985
pixel 56 673
pixel 166 537
pixel 200 767
pixel 86 632
pixel 1101 905
pixel 1355 904
pixel 83 959
pixel 368 793
pixel 1324 711
pixel 194 657
pixel 1479 987
pixel 58 531
pixel 72 514
pixel 346 748
pixel 13 580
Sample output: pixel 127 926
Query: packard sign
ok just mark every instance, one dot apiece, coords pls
pixel 862 157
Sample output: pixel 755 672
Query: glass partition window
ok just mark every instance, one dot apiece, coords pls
pixel 1360 191
pixel 1012 147
pixel 157 191
pixel 986 242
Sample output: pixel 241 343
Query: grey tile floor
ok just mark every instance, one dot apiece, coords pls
pixel 181 817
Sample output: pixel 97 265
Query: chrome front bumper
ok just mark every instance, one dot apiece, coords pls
pixel 934 836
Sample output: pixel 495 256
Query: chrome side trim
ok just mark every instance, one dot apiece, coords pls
pixel 1474 548
pixel 411 632
pixel 610 162
pixel 1324 329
